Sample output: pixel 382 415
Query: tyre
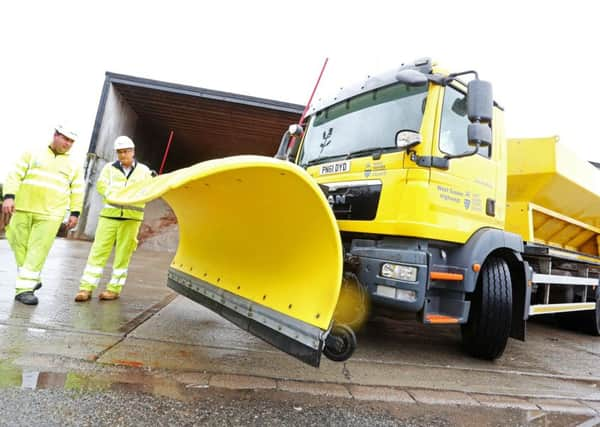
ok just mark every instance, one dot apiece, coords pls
pixel 486 333
pixel 591 321
pixel 340 344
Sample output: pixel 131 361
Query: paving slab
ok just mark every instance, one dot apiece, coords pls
pixel 564 406
pixel 495 401
pixel 381 394
pixel 313 388
pixel 595 405
pixel 241 382
pixel 435 397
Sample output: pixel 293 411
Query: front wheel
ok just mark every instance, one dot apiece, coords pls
pixel 486 333
pixel 340 344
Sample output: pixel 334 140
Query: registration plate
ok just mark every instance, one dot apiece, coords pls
pixel 337 167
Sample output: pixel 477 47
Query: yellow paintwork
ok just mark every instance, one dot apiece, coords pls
pixel 353 306
pixel 561 308
pixel 426 202
pixel 238 226
pixel 553 196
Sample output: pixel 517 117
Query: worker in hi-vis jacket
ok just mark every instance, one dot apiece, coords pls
pixel 118 225
pixel 43 185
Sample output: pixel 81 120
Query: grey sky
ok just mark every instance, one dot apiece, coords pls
pixel 540 56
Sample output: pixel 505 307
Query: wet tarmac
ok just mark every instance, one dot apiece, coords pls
pixel 153 342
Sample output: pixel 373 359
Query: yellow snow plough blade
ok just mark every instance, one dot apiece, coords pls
pixel 258 244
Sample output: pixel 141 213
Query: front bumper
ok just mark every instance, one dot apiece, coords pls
pixel 371 256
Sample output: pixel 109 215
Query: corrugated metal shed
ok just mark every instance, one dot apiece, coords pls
pixel 206 124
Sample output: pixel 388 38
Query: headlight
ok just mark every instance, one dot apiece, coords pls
pixel 400 272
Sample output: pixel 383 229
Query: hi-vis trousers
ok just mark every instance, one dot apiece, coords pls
pixel 30 237
pixel 120 233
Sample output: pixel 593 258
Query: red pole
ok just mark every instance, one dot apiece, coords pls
pixel 162 165
pixel 313 92
pixel 293 139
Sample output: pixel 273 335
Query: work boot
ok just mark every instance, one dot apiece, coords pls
pixel 38 286
pixel 108 295
pixel 27 298
pixel 83 295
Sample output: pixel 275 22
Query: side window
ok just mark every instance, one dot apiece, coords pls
pixel 453 131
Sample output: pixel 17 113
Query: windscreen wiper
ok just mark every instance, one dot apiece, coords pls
pixel 324 159
pixel 377 152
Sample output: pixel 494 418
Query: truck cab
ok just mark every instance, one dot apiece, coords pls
pixel 413 164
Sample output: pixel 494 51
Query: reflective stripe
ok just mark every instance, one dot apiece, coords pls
pixel 119 282
pixel 119 271
pixel 36 183
pixel 76 190
pixel 26 284
pixel 560 308
pixel 92 280
pixel 50 175
pixel 93 269
pixel 28 274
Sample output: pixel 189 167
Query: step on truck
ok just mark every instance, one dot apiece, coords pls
pixel 400 197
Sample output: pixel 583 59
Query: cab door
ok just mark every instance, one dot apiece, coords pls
pixel 464 196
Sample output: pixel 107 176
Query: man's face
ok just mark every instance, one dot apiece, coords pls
pixel 125 156
pixel 61 144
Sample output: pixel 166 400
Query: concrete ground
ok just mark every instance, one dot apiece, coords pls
pixel 158 342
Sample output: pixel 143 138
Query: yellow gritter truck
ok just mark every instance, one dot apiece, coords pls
pixel 401 197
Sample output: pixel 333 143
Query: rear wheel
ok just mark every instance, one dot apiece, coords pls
pixel 486 333
pixel 592 318
pixel 583 321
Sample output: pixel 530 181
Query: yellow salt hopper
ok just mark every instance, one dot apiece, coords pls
pixel 553 202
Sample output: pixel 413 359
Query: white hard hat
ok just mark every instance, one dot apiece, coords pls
pixel 66 130
pixel 123 142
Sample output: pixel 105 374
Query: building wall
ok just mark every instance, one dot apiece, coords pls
pixel 118 119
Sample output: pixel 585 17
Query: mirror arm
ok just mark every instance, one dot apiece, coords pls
pixel 466 154
pixel 464 73
pixel 283 146
pixel 283 152
pixel 429 161
pixel 438 79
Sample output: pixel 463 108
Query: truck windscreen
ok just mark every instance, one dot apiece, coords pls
pixel 367 121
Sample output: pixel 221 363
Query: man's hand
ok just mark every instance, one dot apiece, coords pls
pixel 73 220
pixel 8 208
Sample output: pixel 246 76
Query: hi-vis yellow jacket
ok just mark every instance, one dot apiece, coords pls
pixel 46 183
pixel 113 178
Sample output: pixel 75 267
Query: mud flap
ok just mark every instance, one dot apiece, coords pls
pixel 258 244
